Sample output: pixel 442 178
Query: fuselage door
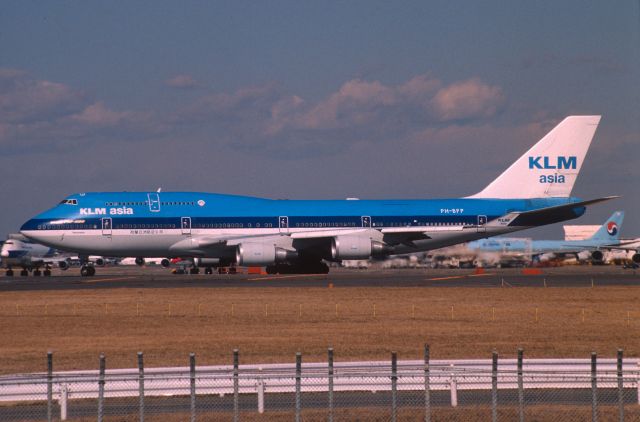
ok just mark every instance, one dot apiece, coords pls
pixel 283 224
pixel 154 202
pixel 185 224
pixel 106 226
pixel 366 221
pixel 482 221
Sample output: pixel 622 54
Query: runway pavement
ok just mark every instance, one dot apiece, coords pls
pixel 157 277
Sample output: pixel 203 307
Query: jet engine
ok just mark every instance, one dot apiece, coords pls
pixel 63 265
pixel 597 256
pixel 99 262
pixel 546 257
pixel 165 263
pixel 261 254
pixel 206 262
pixel 584 256
pixel 356 247
pixel 636 258
pixel 139 261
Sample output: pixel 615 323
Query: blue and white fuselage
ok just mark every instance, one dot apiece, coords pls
pixel 607 237
pixel 172 223
pixel 221 229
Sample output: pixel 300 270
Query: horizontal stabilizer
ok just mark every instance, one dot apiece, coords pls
pixel 548 215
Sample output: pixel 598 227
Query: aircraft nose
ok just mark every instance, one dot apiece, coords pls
pixel 30 229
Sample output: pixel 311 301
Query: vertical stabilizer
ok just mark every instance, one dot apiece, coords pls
pixel 550 167
pixel 610 230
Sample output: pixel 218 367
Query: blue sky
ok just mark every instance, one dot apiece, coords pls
pixel 310 100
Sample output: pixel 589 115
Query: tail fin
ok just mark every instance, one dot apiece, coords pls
pixel 550 167
pixel 610 230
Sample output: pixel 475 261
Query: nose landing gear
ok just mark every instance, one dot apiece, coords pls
pixel 87 271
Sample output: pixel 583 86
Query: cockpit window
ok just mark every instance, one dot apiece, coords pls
pixel 69 201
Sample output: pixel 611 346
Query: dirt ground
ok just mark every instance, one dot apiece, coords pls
pixel 272 324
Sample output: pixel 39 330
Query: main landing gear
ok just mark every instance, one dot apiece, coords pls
pixel 87 271
pixel 25 272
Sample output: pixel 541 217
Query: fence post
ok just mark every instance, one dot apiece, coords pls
pixel 620 388
pixel 394 386
pixel 141 385
pixel 494 387
pixel 427 386
pixel 330 367
pixel 594 387
pixel 192 376
pixel 236 386
pixel 520 386
pixel 260 388
pixel 64 397
pixel 101 388
pixel 49 386
pixel 453 387
pixel 298 380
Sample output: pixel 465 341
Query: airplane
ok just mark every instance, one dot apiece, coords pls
pixel 20 252
pixel 295 236
pixel 606 238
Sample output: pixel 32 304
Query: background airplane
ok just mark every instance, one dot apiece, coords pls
pixel 295 236
pixel 31 257
pixel 606 238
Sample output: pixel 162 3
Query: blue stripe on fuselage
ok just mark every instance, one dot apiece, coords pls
pixel 131 208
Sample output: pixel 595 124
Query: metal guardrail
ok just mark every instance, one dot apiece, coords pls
pixel 365 377
pixel 371 376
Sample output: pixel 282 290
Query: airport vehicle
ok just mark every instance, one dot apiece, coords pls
pixel 295 236
pixel 606 238
pixel 165 262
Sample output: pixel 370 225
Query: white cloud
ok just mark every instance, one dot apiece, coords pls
pixel 34 111
pixel 182 81
pixel 470 99
pixel 258 118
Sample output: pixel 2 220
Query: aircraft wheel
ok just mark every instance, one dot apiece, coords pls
pixel 208 270
pixel 24 273
pixel 92 270
pixel 9 273
pixel 47 273
pixel 271 269
pixel 37 273
pixel 194 270
pixel 84 271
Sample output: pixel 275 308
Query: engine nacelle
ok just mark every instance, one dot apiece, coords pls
pixel 546 257
pixel 165 263
pixel 63 265
pixel 206 262
pixel 98 262
pixel 597 256
pixel 636 258
pixel 356 247
pixel 584 256
pixel 248 254
pixel 140 261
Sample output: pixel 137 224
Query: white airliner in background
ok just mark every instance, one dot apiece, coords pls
pixel 31 257
pixel 295 236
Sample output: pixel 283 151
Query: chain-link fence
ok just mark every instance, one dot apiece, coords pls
pixel 505 389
